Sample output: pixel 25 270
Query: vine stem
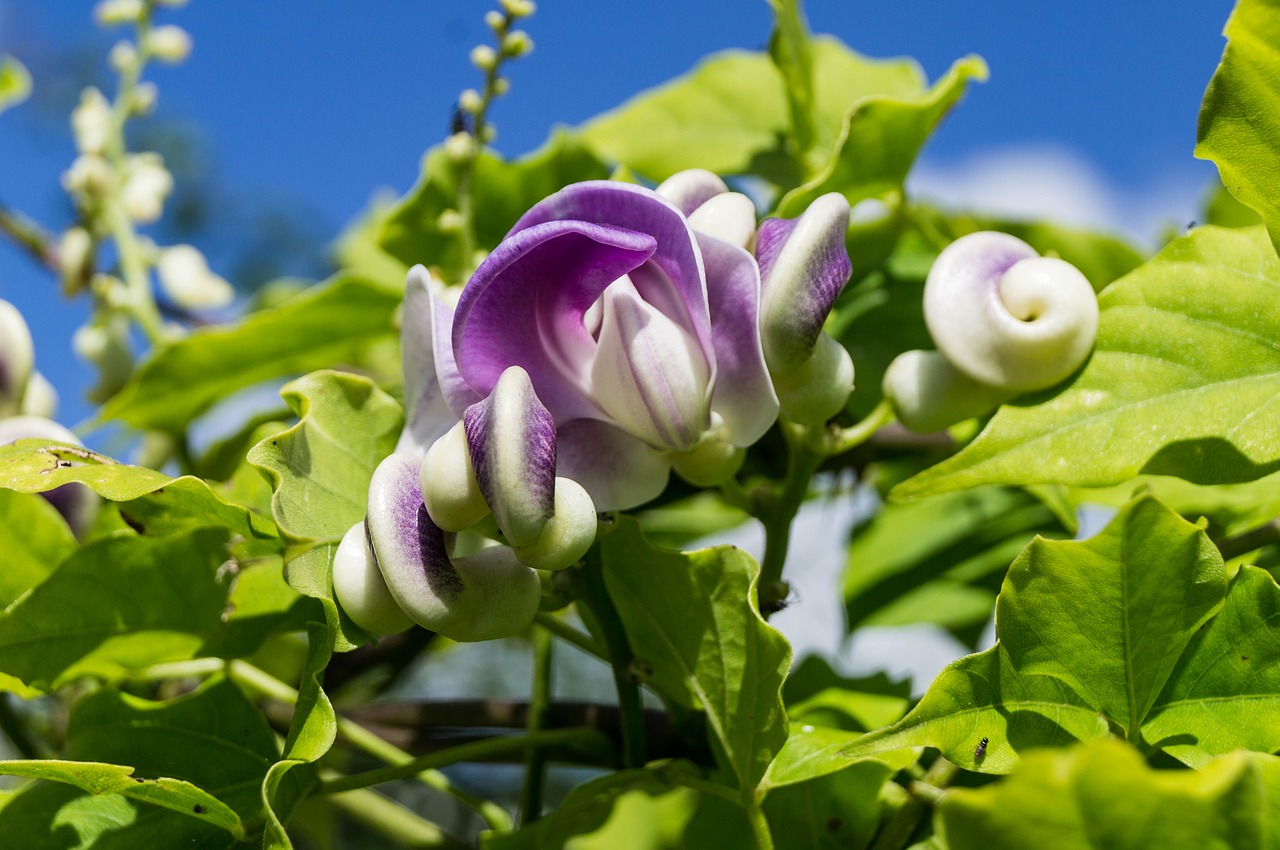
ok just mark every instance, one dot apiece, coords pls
pixel 780 512
pixel 925 793
pixel 361 738
pixel 535 760
pixel 31 237
pixel 474 751
pixel 1249 540
pixel 759 827
pixel 392 820
pixel 569 634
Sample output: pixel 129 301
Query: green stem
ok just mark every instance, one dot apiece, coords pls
pixel 539 709
pixel 392 820
pixel 759 827
pixel 569 634
pixel 1247 541
pixel 474 751
pixel 589 589
pixel 841 440
pixel 780 512
pixel 902 824
pixel 361 738
pixel 29 236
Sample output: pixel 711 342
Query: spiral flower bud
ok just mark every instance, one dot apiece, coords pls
pixel 929 394
pixel 1007 317
pixel 360 588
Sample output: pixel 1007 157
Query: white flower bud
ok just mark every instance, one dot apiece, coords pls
pixel 17 357
pixel 110 13
pixel 818 389
pixel 186 278
pixel 360 588
pixel 519 8
pixel 74 256
pixel 470 101
pixel 494 19
pixel 460 146
pixel 501 86
pixel 483 57
pixel 106 346
pixel 517 43
pixel 123 57
pixel 144 99
pixel 89 177
pixel 569 533
pixel 449 487
pixel 91 122
pixel 146 186
pixel 40 399
pixel 169 43
pixel 929 394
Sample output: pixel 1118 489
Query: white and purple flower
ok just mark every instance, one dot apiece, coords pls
pixel 615 334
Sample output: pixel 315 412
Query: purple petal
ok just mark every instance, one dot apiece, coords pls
pixel 427 412
pixel 512 440
pixel 642 210
pixel 524 307
pixel 743 394
pixel 803 266
pixel 616 469
pixel 691 188
pixel 480 597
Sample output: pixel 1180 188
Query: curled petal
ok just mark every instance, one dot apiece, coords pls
pixel 641 211
pixel 730 217
pixel 431 379
pixel 616 469
pixel 17 357
pixel 929 394
pixel 1007 317
pixel 568 534
pixel 649 374
pixel 524 306
pixel 512 441
pixel 482 596
pixel 818 388
pixel 803 265
pixel 449 487
pixel 691 188
pixel 742 395
pixel 360 588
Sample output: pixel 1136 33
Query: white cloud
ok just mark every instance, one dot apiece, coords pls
pixel 1057 183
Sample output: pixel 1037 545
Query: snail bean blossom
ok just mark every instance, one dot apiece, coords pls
pixel 616 334
pixel 1005 320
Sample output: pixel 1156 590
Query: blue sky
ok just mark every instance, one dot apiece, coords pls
pixel 312 107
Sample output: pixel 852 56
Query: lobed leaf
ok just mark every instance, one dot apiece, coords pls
pixel 1184 381
pixel 692 616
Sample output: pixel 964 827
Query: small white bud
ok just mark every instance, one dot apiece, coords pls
pixel 147 184
pixel 519 8
pixel 495 19
pixel 123 56
pixel 483 57
pixel 89 177
pixel 460 146
pixel 91 121
pixel 73 258
pixel 501 86
pixel 470 101
pixel 110 13
pixel 169 43
pixel 17 357
pixel 144 99
pixel 186 278
pixel 517 43
pixel 40 399
pixel 449 221
pixel 448 481
pixel 106 346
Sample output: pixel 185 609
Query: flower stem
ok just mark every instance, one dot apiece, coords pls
pixel 780 512
pixel 473 751
pixel 391 820
pixel 361 738
pixel 569 634
pixel 539 708
pixel 836 441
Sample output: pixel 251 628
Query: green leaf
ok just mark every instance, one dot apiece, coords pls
pixel 1103 795
pixel 15 82
pixel 816 694
pixel 633 808
pixel 98 778
pixel 1182 381
pixel 1110 616
pixel 983 696
pixel 879 140
pixel 1239 126
pixel 261 605
pixel 322 326
pixel 814 751
pixel 693 617
pixel 503 191
pixel 117 604
pixel 34 538
pixel 320 471
pixel 1225 692
pixel 939 560
pixel 157 504
pixel 837 812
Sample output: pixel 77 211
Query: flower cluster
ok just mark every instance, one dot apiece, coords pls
pixel 616 334
pixel 1005 320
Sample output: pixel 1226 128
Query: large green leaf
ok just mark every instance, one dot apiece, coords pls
pixel 1185 380
pixel 1111 615
pixel 1104 797
pixel 116 604
pixel 879 140
pixel 261 604
pixel 1239 127
pixel 835 812
pixel 692 616
pixel 1225 692
pixel 157 504
pixel 213 738
pixel 503 191
pixel 939 560
pixel 34 539
pixel 318 328
pixel 320 471
pixel 15 82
